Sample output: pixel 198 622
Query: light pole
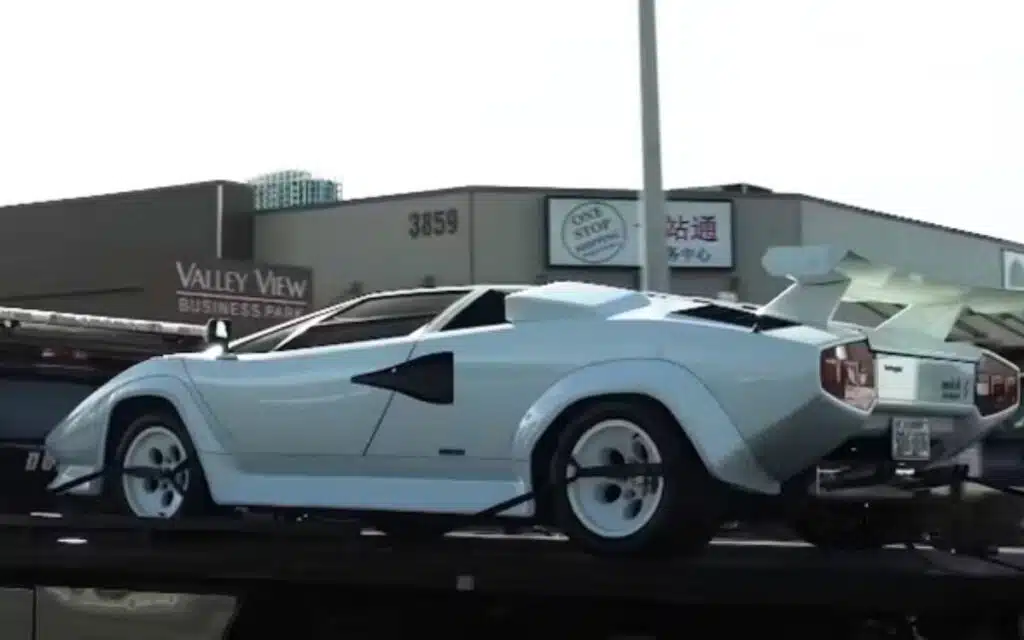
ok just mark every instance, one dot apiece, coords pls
pixel 654 271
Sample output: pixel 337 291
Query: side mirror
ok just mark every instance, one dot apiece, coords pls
pixel 218 332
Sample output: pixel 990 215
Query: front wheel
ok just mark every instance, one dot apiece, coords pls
pixel 677 512
pixel 158 441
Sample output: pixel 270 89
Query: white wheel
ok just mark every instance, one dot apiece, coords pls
pixel 614 507
pixel 678 511
pixel 155 446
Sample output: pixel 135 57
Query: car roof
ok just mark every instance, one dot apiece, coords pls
pixel 444 289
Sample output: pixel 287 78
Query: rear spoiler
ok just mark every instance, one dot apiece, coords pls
pixel 824 275
pixel 11 317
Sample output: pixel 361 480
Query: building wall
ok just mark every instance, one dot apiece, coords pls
pixel 942 254
pixel 99 254
pixel 939 253
pixel 761 222
pixel 371 245
pixel 237 238
pixel 501 237
pixel 509 241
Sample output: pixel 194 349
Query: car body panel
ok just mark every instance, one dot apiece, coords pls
pixel 306 428
pixel 264 424
pixel 78 442
pixel 296 403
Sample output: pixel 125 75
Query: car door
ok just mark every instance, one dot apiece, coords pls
pixel 300 402
pixel 496 373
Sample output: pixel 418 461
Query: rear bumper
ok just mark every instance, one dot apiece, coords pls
pixel 996 460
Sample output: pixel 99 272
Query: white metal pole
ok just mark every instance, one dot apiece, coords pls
pixel 654 252
pixel 220 221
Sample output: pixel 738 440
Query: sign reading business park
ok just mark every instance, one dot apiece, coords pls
pixel 253 295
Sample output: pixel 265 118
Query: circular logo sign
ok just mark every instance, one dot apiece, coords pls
pixel 594 232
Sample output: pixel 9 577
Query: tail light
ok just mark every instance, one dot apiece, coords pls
pixel 848 374
pixel 997 385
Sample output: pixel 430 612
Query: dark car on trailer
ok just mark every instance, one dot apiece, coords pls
pixel 999 515
pixel 49 362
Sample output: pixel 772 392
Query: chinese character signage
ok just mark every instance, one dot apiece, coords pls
pixel 607 233
pixel 1013 270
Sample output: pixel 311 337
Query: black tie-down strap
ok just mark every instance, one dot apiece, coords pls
pixel 577 472
pixel 113 473
pixel 610 471
pixel 574 473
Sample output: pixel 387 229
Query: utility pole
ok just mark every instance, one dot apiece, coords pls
pixel 654 270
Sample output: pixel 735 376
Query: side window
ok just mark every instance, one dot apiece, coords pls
pixel 415 304
pixel 486 311
pixel 394 313
pixel 335 332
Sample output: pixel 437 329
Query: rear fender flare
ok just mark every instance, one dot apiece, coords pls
pixel 717 440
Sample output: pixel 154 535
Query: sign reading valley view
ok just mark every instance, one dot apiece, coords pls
pixel 262 294
pixel 606 233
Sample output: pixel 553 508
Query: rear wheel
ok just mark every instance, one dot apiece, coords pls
pixel 678 512
pixel 159 442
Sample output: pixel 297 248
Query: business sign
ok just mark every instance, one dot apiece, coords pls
pixel 1013 270
pixel 250 294
pixel 606 233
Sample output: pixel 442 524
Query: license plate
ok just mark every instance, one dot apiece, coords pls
pixel 911 440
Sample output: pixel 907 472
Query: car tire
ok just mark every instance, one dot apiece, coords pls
pixel 678 513
pixel 160 440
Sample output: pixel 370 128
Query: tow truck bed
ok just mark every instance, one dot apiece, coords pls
pixel 233 556
pixel 48 363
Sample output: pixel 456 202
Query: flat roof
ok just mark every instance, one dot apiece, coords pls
pixel 122 194
pixel 695 193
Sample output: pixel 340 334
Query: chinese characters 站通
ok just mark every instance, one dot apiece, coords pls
pixel 696 228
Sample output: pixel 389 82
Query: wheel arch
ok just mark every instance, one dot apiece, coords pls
pixel 671 387
pixel 157 393
pixel 545 446
pixel 128 409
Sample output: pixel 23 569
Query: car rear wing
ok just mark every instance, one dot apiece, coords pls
pixel 12 317
pixel 825 275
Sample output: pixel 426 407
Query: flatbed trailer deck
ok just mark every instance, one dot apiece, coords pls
pixel 221 555
pixel 292 573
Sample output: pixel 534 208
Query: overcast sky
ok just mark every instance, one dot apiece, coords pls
pixel 908 106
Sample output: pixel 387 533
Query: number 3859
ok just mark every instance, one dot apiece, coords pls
pixel 443 222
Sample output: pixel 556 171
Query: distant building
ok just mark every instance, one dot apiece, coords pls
pixel 288 189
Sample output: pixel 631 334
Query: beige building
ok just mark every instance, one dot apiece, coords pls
pixel 716 238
